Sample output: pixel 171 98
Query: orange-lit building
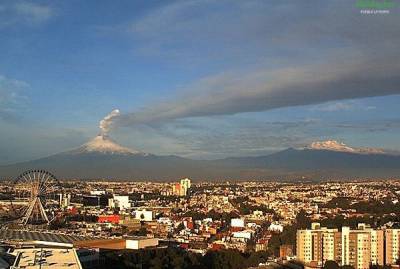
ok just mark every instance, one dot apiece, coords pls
pixel 109 219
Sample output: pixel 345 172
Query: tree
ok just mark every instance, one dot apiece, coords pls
pixel 180 227
pixel 331 265
pixel 302 221
pixel 172 257
pixel 156 263
pixel 347 267
pixel 274 244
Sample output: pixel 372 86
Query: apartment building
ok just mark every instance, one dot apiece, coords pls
pixel 318 245
pixel 359 248
pixel 362 247
pixel 392 245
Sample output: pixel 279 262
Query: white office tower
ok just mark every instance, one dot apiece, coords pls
pixel 185 186
pixel 65 200
pixel 119 201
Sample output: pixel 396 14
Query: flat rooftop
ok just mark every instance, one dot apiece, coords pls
pixel 39 236
pixel 54 239
pixel 31 258
pixel 118 243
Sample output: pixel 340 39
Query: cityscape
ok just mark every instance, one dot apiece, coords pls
pixel 199 134
pixel 288 224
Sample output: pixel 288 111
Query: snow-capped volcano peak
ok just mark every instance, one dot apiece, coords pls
pixel 104 144
pixel 331 145
pixel 342 147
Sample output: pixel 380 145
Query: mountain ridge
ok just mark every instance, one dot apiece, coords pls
pixel 290 164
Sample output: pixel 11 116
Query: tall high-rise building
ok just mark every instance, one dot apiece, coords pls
pixel 392 245
pixel 181 188
pixel 318 245
pixel 176 189
pixel 65 200
pixel 377 247
pixel 185 186
pixel 362 247
pixel 359 248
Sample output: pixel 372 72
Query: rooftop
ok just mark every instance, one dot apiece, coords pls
pixel 39 236
pixel 40 257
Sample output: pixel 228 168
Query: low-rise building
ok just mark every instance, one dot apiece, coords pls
pixel 30 258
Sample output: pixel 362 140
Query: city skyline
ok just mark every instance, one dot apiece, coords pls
pixel 243 82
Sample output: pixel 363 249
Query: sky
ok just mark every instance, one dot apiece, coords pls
pixel 199 79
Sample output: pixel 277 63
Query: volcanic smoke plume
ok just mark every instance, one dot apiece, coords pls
pixel 105 123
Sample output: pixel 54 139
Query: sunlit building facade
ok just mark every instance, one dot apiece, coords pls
pixel 359 248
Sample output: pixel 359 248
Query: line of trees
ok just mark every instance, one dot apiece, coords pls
pixel 176 258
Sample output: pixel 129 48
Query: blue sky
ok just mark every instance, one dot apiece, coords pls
pixel 201 79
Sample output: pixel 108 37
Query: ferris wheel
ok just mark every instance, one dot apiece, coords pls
pixel 35 197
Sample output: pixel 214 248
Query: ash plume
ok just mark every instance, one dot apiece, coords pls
pixel 270 89
pixel 357 58
pixel 106 122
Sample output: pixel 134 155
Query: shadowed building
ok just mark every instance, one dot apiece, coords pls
pixel 392 245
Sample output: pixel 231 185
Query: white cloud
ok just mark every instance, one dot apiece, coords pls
pixel 338 106
pixel 11 96
pixel 24 13
pixel 350 105
pixel 33 12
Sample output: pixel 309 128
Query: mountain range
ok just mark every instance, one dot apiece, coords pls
pixel 102 158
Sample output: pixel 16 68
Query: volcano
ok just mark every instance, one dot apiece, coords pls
pixel 105 145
